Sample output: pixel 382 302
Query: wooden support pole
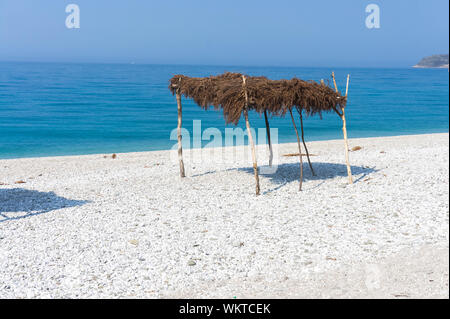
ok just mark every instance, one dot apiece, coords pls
pixel 250 137
pixel 268 138
pixel 344 129
pixel 299 151
pixel 304 143
pixel 334 81
pixel 180 147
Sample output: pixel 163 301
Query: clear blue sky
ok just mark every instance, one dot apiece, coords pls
pixel 246 32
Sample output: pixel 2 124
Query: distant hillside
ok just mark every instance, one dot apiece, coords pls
pixel 434 61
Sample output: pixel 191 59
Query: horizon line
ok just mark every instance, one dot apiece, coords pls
pixel 210 65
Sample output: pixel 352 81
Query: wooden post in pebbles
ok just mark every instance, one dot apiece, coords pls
pixel 299 151
pixel 250 136
pixel 304 143
pixel 344 130
pixel 180 147
pixel 268 138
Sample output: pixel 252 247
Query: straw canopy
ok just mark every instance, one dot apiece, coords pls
pixel 277 97
pixel 236 94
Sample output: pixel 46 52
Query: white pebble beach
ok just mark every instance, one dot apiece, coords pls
pixel 96 227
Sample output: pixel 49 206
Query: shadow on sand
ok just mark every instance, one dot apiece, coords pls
pixel 290 172
pixel 19 203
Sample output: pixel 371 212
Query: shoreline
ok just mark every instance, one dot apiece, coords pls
pixel 259 145
pixel 96 227
pixel 445 66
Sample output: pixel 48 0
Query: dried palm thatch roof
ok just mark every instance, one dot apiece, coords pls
pixel 227 92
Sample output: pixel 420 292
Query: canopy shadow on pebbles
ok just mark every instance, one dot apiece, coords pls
pixel 288 172
pixel 19 203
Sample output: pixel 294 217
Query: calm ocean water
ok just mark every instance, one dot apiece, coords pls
pixel 63 109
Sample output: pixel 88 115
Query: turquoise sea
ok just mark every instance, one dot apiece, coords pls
pixel 49 109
